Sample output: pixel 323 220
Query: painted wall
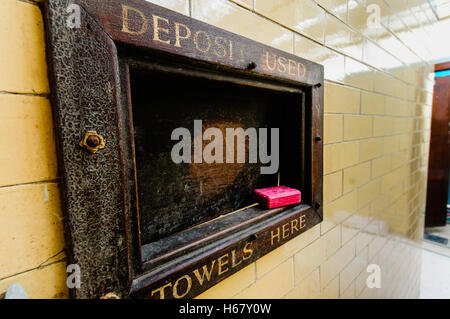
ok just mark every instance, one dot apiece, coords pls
pixel 378 97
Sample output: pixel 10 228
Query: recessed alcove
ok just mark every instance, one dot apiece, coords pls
pixel 173 198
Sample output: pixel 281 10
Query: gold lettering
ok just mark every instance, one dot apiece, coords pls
pixel 221 47
pixel 274 62
pixel 161 290
pixel 205 273
pixel 231 50
pixel 221 264
pixel 233 259
pixel 302 221
pixel 285 230
pixel 157 28
pixel 290 66
pixel 125 25
pixel 281 64
pixel 247 251
pixel 196 41
pixel 302 67
pixel 294 221
pixel 276 236
pixel 178 36
pixel 242 52
pixel 188 288
pixel 284 65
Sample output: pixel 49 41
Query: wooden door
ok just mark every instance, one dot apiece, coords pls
pixel 438 166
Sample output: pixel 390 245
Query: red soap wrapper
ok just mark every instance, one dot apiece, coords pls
pixel 277 196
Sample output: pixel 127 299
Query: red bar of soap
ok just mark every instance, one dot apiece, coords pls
pixel 277 196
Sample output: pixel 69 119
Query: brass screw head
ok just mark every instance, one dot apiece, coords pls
pixel 93 142
pixel 110 295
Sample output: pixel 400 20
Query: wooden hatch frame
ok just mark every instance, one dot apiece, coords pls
pixel 91 93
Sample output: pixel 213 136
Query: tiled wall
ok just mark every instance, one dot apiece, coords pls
pixel 31 235
pixel 378 96
pixel 377 105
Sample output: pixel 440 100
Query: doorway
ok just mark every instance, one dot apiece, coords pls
pixel 438 165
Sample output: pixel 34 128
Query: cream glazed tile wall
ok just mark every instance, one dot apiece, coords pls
pixel 378 96
pixel 31 232
pixel 376 132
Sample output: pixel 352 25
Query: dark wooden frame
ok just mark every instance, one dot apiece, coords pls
pixel 91 92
